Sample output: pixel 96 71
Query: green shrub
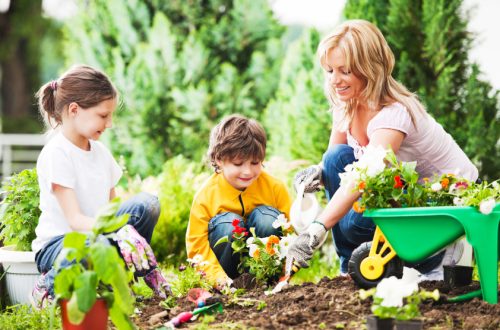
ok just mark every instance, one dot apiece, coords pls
pixel 24 317
pixel 19 211
pixel 179 181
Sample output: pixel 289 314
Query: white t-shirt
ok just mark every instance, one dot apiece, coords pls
pixel 429 145
pixel 91 174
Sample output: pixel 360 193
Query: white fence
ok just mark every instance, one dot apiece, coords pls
pixel 19 151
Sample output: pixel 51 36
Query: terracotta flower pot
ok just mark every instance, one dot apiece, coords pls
pixel 374 323
pixel 95 319
pixel 408 325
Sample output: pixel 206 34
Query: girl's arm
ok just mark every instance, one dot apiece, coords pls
pixel 337 137
pixel 69 204
pixel 344 197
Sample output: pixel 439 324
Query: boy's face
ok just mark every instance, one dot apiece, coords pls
pixel 240 173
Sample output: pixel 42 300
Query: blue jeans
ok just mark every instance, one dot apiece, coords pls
pixel 144 210
pixel 261 218
pixel 354 229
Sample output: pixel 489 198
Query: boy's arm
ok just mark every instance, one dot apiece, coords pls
pixel 197 243
pixel 68 202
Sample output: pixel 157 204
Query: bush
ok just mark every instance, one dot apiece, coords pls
pixel 179 181
pixel 19 212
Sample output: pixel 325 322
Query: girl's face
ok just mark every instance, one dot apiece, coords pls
pixel 345 84
pixel 92 122
pixel 240 173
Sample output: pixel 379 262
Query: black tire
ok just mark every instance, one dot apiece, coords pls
pixel 393 268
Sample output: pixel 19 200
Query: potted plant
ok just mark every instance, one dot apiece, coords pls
pixel 396 303
pixel 19 213
pixel 97 280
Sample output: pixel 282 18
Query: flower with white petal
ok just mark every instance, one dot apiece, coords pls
pixel 486 206
pixel 281 222
pixel 458 201
pixel 392 290
pixel 285 243
pixel 436 186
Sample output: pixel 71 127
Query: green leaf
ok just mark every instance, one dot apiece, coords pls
pixel 224 239
pixel 74 240
pixel 85 290
pixel 75 316
pixel 120 319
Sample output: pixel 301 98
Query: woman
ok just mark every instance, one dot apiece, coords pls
pixel 369 107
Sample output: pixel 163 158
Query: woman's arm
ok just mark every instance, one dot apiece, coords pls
pixel 69 204
pixel 344 197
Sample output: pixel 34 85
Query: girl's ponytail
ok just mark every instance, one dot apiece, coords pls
pixel 46 96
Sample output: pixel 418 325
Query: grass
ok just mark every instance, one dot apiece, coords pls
pixel 23 317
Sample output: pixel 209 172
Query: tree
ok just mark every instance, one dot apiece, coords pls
pixel 20 52
pixel 430 41
pixel 180 66
pixel 297 118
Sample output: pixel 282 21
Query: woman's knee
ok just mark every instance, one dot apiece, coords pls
pixel 337 158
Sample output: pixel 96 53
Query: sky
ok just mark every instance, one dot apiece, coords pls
pixel 484 23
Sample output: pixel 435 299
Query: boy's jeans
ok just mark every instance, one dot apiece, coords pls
pixel 144 210
pixel 354 229
pixel 261 218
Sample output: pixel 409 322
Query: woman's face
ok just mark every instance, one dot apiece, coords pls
pixel 345 84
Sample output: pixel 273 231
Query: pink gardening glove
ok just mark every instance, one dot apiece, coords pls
pixel 157 282
pixel 135 250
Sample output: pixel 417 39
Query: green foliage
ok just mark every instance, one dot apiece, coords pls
pixel 19 211
pixel 431 43
pixel 324 263
pixel 97 271
pixel 297 118
pixel 179 181
pixel 24 317
pixel 180 66
pixel 189 277
pixel 409 310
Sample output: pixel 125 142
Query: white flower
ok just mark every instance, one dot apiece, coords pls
pixel 458 201
pixel 392 290
pixel 373 160
pixel 197 260
pixel 252 248
pixel 486 206
pixel 495 185
pixel 452 188
pixel 281 222
pixel 285 243
pixel 436 186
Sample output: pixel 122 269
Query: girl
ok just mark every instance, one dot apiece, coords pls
pixel 369 108
pixel 77 175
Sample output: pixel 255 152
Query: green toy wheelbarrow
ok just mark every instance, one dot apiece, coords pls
pixel 415 233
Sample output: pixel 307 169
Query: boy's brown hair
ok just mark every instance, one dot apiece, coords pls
pixel 237 137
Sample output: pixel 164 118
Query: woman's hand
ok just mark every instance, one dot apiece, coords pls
pixel 304 246
pixel 309 177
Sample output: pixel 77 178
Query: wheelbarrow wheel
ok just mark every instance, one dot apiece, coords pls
pixel 393 268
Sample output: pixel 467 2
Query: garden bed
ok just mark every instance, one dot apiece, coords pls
pixel 328 304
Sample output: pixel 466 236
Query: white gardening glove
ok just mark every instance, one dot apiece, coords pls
pixel 310 177
pixel 304 246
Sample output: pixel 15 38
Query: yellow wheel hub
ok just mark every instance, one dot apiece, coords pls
pixel 372 267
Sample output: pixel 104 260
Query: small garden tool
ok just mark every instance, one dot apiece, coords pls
pixel 291 267
pixel 186 316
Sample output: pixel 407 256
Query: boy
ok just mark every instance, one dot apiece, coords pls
pixel 238 190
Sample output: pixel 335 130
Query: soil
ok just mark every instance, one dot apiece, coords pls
pixel 329 304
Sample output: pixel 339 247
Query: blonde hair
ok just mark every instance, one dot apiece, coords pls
pixel 368 57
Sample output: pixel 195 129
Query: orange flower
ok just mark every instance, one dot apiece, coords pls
pixel 273 239
pixel 357 208
pixel 256 254
pixel 445 182
pixel 361 186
